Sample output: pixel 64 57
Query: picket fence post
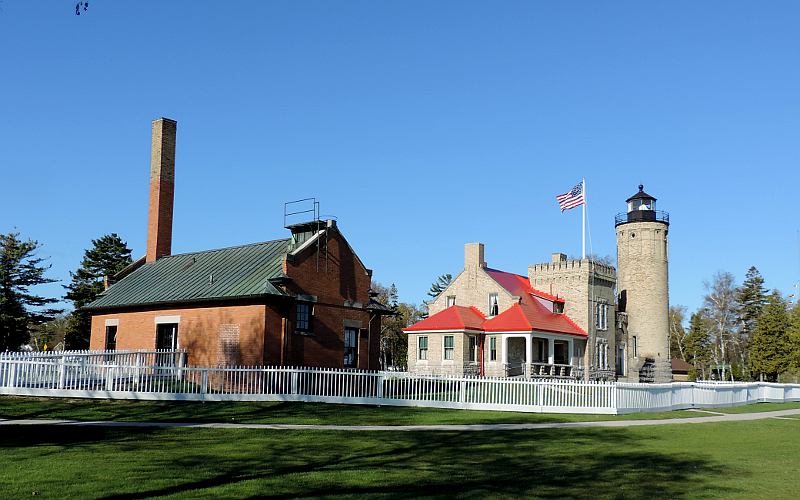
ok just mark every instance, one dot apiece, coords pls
pixel 380 387
pixel 62 373
pixel 204 382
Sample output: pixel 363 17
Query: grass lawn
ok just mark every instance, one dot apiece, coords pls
pixel 756 459
pixel 280 412
pixel 757 408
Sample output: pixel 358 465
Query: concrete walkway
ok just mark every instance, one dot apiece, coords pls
pixel 733 417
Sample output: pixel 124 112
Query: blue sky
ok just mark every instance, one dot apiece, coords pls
pixel 420 125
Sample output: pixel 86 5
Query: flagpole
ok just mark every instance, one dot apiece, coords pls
pixel 583 221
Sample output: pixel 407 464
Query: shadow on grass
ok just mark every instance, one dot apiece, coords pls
pixel 604 463
pixel 257 412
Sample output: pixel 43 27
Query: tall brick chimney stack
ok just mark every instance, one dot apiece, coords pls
pixel 162 189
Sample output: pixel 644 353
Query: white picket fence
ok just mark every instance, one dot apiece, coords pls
pixel 69 376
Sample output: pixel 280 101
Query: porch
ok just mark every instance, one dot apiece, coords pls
pixel 537 355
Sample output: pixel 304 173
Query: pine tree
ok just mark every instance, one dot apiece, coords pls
pixel 108 256
pixel 751 298
pixel 794 338
pixel 20 310
pixel 769 346
pixel 438 286
pixel 697 344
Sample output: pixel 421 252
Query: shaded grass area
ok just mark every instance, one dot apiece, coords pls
pixel 738 459
pixel 279 412
pixel 758 408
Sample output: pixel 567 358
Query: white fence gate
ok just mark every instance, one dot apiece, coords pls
pixel 145 375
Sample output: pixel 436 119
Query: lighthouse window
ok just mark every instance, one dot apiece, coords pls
pixel 633 235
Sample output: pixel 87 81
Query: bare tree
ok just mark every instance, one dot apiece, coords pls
pixel 677 333
pixel 721 306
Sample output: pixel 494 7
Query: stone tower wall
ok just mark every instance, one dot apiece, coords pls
pixel 642 263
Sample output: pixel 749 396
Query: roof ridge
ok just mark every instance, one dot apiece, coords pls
pixel 505 272
pixel 225 248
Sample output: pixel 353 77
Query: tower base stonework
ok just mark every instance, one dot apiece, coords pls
pixel 662 371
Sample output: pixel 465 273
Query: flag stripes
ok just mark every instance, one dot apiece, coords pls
pixel 573 198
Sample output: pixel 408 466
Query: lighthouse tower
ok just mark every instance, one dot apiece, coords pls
pixel 642 272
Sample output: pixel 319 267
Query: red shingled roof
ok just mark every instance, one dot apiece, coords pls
pixel 531 315
pixel 452 318
pixel 518 285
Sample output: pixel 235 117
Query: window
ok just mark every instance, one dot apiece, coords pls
pixel 303 321
pixel 422 348
pixel 634 347
pixel 350 347
pixel 601 316
pixel 449 346
pixel 451 300
pixel 492 348
pixel 601 355
pixel 493 308
pixel 111 338
pixel 473 348
pixel 578 353
pixel 166 340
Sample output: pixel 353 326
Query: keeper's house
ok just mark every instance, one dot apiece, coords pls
pixel 494 323
pixel 299 301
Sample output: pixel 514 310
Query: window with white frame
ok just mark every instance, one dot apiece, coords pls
pixel 601 355
pixel 493 307
pixel 492 348
pixel 451 300
pixel 449 347
pixel 422 348
pixel 601 316
pixel 111 338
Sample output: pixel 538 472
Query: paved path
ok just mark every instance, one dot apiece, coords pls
pixel 732 417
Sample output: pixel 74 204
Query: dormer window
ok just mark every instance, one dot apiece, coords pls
pixel 493 306
pixel 451 300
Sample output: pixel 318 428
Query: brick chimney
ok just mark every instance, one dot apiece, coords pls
pixel 162 189
pixel 473 256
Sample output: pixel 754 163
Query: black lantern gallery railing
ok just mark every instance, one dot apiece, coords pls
pixel 642 216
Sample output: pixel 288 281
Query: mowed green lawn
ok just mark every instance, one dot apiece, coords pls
pixel 756 459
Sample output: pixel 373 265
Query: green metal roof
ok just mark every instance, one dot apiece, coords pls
pixel 225 273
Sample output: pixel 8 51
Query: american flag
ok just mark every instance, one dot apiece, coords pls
pixel 574 198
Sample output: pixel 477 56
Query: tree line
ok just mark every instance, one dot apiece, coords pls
pixel 740 332
pixel 29 320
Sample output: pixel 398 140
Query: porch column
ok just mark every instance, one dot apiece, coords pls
pixel 571 353
pixel 528 355
pixel 503 349
pixel 551 351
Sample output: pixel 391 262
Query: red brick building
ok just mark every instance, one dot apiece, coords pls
pixel 299 301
